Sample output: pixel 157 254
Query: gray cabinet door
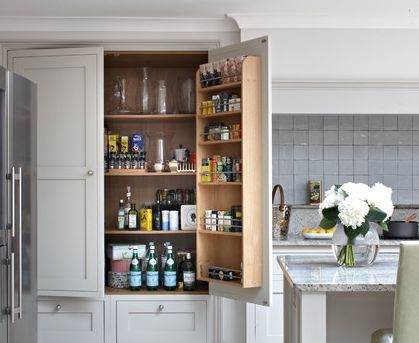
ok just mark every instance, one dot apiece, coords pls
pixel 70 167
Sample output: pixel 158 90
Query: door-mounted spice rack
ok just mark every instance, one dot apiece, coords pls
pixel 219 246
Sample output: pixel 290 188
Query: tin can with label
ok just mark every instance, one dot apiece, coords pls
pixel 146 219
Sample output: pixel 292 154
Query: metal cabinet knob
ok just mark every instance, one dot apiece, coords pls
pixel 161 307
pixel 58 307
pixel 90 172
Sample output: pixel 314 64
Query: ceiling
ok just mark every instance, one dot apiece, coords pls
pixel 206 8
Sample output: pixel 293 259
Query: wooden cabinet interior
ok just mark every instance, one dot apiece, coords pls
pixel 178 128
pixel 236 251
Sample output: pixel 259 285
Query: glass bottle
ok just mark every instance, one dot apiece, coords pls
pixel 169 275
pixel 121 215
pixel 128 205
pixel 161 97
pixel 157 216
pixel 135 271
pixel 133 218
pixel 144 99
pixel 163 259
pixel 189 274
pixel 152 272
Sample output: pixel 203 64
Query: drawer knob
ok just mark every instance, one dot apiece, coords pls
pixel 58 307
pixel 161 307
pixel 90 172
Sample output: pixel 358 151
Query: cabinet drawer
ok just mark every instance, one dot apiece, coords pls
pixel 161 321
pixel 66 321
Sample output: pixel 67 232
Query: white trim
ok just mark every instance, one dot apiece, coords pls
pixel 345 97
pixel 331 20
pixel 116 24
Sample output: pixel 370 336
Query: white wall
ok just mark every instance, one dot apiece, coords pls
pixel 343 70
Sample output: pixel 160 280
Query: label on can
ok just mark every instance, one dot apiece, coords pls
pixel 170 279
pixel 135 279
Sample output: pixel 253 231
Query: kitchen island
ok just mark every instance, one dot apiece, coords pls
pixel 319 296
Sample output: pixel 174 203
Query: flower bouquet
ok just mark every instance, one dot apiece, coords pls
pixel 354 206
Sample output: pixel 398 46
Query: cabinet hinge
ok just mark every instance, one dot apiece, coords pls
pixel 8 176
pixel 6 261
pixel 7 311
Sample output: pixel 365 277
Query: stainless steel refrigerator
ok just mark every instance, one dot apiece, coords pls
pixel 18 307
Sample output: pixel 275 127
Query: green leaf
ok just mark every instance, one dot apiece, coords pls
pixel 364 228
pixel 327 223
pixel 360 230
pixel 331 213
pixel 375 215
pixel 383 225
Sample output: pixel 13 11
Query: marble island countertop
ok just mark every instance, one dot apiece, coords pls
pixel 298 240
pixel 322 274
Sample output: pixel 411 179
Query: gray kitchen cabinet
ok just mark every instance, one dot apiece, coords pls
pixel 161 318
pixel 65 321
pixel 70 167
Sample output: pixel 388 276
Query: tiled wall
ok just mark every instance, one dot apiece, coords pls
pixel 338 149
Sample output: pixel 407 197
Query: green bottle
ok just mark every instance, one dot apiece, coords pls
pixel 170 271
pixel 189 274
pixel 152 273
pixel 135 271
pixel 133 218
pixel 121 215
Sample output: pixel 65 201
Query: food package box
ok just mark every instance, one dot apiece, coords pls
pixel 188 217
pixel 124 144
pixel 137 143
pixel 114 143
pixel 124 251
pixel 118 280
pixel 120 266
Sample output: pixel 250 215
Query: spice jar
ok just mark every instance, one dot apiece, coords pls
pixel 225 133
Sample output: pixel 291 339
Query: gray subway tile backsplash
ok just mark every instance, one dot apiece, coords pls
pixel 338 149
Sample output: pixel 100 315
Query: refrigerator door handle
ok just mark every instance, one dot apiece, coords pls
pixel 12 288
pixel 20 243
pixel 13 177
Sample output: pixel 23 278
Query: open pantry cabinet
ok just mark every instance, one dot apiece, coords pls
pixel 232 255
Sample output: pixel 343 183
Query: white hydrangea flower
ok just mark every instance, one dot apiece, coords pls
pixel 358 190
pixel 380 197
pixel 332 199
pixel 352 211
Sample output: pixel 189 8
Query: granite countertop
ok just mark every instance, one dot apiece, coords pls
pixel 298 240
pixel 322 274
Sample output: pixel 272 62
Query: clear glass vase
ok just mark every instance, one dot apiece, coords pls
pixel 359 252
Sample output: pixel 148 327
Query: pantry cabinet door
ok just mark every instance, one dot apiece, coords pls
pixel 260 295
pixel 70 167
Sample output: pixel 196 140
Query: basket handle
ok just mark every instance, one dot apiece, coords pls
pixel 281 191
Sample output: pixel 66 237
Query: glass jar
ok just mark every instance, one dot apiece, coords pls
pixel 358 252
pixel 161 97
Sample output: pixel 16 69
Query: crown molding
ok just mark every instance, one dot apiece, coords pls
pixel 324 20
pixel 116 24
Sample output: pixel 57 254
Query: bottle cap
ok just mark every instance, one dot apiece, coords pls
pixel 134 247
pixel 169 247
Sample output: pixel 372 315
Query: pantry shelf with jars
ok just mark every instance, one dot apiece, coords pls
pixel 139 117
pixel 139 172
pixel 152 232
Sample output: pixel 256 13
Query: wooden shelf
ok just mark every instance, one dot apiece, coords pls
pixel 221 282
pixel 232 85
pixel 154 232
pixel 137 117
pixel 220 184
pixel 230 141
pixel 221 233
pixel 201 290
pixel 139 172
pixel 219 115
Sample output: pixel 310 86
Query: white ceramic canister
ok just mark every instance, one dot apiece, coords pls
pixel 174 220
